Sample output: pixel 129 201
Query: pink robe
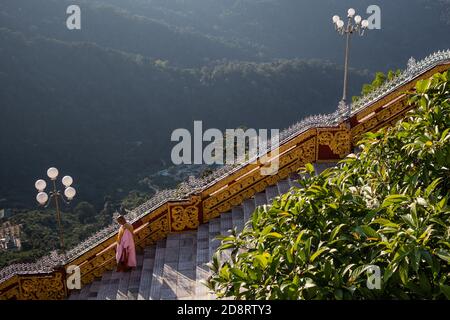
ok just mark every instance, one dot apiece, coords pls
pixel 127 243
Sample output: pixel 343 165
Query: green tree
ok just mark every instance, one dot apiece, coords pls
pixel 85 212
pixel 134 199
pixel 387 206
pixel 380 79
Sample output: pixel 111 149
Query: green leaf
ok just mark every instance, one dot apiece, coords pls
pixel 308 246
pixel 358 271
pixel 299 238
pixel 327 270
pixel 442 203
pixel 262 259
pixel 432 187
pixel 421 201
pixel 368 232
pixel 227 246
pixel 401 253
pixel 239 273
pixel 414 218
pixel 348 268
pixel 393 199
pixel 409 220
pixel 430 260
pixel 415 259
pixel 253 275
pixel 266 230
pixel 445 290
pixel 289 255
pixel 310 169
pixel 426 234
pixel 338 294
pixel 274 235
pixel 423 85
pixel 403 272
pixel 445 136
pixel 384 222
pixel 318 253
pixel 424 283
pixel 333 206
pixel 302 256
pixel 389 271
pixel 336 231
pixel 443 254
pixel 309 283
pixel 225 272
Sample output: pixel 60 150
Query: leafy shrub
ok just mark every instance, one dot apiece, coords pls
pixel 387 206
pixel 378 81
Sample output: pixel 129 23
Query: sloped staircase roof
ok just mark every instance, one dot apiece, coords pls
pixel 174 267
pixel 312 140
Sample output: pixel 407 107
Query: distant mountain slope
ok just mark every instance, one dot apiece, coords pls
pixel 195 32
pixel 113 27
pixel 303 28
pixel 106 116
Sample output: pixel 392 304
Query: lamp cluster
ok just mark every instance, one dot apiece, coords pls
pixel 42 197
pixel 355 23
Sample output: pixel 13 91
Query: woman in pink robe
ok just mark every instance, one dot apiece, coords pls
pixel 126 251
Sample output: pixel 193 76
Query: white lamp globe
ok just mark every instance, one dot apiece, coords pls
pixel 340 24
pixel 70 193
pixel 365 23
pixel 358 19
pixel 67 181
pixel 351 12
pixel 40 185
pixel 336 19
pixel 52 173
pixel 42 198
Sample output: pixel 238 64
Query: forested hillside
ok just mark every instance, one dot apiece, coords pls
pixel 303 29
pixel 106 116
pixel 113 27
pixel 100 103
pixel 196 32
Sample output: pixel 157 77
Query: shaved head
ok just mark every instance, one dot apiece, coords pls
pixel 121 220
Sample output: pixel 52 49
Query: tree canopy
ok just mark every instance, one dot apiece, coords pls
pixel 386 206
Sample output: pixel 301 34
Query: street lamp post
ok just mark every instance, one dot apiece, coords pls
pixel 44 199
pixel 355 25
